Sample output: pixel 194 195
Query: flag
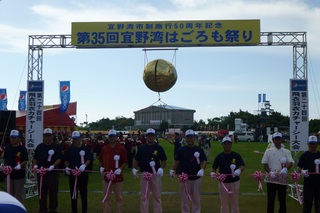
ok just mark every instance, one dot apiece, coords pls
pixel 22 104
pixel 64 95
pixel 3 99
pixel 264 98
pixel 259 98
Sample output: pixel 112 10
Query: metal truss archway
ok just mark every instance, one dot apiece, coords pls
pixel 298 40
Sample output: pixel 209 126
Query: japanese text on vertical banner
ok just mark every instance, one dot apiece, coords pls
pixel 299 114
pixel 34 114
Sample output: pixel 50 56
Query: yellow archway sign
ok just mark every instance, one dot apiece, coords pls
pixel 165 33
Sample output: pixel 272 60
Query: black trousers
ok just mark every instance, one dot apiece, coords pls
pixel 50 185
pixel 130 156
pixel 311 194
pixel 82 187
pixel 272 190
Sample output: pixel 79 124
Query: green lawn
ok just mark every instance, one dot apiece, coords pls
pixel 251 201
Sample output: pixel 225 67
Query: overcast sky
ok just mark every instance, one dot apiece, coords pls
pixel 108 83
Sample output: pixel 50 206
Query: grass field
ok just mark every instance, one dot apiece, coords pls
pixel 251 200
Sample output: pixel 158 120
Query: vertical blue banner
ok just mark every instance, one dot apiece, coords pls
pixel 22 103
pixel 64 95
pixel 264 98
pixel 259 98
pixel 3 99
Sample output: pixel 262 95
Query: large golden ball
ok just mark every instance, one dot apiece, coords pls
pixel 159 75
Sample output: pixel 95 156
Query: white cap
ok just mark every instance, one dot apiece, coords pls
pixel 226 138
pixel 277 135
pixel 76 134
pixel 112 132
pixel 312 139
pixel 47 131
pixel 14 133
pixel 150 131
pixel 190 132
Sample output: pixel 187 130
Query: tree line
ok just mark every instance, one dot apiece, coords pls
pixel 276 119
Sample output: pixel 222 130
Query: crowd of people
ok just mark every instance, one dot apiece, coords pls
pixel 147 159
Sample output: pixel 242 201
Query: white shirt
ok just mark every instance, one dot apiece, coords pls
pixel 273 157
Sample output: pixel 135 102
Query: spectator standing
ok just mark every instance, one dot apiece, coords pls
pixel 309 163
pixel 78 156
pixel 130 150
pixel 206 146
pixel 230 164
pixel 113 158
pixel 48 155
pixel 261 138
pixel 16 156
pixel 276 162
pixel 192 161
pixel 177 144
pixel 151 158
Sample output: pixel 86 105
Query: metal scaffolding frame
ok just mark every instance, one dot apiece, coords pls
pixel 298 40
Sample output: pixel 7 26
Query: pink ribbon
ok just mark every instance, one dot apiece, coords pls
pixel 109 176
pixel 147 176
pixel 7 171
pixel 75 172
pixel 295 177
pixel 221 178
pixel 42 171
pixel 183 179
pixel 257 176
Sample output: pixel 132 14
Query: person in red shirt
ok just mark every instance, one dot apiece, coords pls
pixel 113 158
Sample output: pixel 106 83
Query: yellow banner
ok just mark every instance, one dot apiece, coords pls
pixel 166 33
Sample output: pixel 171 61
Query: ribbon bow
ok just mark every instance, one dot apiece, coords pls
pixel 147 176
pixel 82 153
pixel 283 162
pixel 197 155
pixel 109 177
pixel 183 179
pixel 7 171
pixel 42 171
pixel 75 172
pixel 257 176
pixel 232 167
pixel 50 153
pixel 152 164
pixel 317 162
pixel 295 177
pixel 116 158
pixel 221 178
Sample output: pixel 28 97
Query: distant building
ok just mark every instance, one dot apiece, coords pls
pixel 239 125
pixel 152 116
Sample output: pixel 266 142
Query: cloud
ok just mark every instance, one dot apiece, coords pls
pixel 277 16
